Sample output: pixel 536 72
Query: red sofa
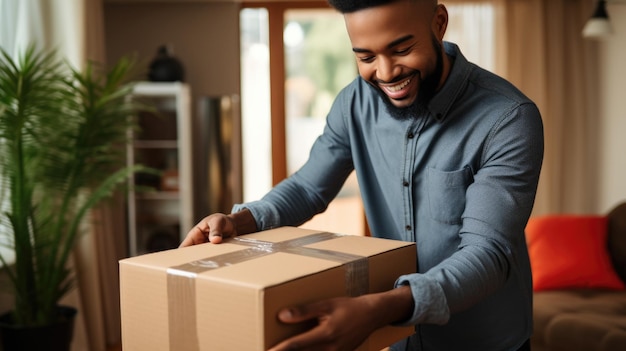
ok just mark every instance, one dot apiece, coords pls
pixel 579 272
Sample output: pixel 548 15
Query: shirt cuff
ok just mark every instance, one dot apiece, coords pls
pixel 430 303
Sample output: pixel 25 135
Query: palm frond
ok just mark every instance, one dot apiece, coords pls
pixel 62 134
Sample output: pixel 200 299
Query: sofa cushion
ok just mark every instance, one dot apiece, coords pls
pixel 570 251
pixel 586 332
pixel 571 319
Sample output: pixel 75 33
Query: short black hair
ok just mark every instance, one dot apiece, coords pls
pixel 348 6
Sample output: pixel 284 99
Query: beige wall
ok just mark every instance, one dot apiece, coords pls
pixel 612 112
pixel 203 35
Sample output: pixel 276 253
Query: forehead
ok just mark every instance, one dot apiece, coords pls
pixel 386 23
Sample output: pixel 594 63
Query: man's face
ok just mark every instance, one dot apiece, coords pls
pixel 398 50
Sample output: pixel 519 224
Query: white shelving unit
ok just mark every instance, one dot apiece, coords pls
pixel 160 208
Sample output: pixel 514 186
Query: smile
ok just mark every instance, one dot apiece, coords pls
pixel 396 88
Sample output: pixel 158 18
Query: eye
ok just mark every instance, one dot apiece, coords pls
pixel 403 51
pixel 365 59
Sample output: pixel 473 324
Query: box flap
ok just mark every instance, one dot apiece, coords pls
pixel 360 245
pixel 269 270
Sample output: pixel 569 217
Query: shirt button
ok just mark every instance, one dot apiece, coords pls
pixel 405 183
pixel 408 227
pixel 410 136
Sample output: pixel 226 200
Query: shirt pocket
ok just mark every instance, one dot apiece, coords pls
pixel 446 193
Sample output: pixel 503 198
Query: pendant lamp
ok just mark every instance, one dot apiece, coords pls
pixel 599 26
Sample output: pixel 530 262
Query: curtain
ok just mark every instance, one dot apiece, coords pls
pixel 75 29
pixel 16 24
pixel 99 251
pixel 539 48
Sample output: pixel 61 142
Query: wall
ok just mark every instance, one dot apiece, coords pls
pixel 203 35
pixel 612 112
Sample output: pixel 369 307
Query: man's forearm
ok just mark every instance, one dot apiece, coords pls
pixel 393 306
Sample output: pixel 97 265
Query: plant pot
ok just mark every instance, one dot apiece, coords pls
pixel 53 337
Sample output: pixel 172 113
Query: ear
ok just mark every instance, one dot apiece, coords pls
pixel 440 21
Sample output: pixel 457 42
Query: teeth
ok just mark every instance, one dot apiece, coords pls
pixel 399 86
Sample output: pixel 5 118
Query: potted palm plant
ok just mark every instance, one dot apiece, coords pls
pixel 62 133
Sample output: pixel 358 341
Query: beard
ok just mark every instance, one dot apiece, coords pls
pixel 427 89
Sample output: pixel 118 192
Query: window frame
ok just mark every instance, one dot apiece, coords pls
pixel 276 15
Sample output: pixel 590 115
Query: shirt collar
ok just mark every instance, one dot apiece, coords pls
pixel 457 79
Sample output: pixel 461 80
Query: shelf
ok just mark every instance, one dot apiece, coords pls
pixel 160 219
pixel 163 89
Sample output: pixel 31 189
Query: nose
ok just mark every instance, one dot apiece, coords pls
pixel 385 69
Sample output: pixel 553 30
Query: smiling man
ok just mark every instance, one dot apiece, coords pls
pixel 447 155
pixel 407 69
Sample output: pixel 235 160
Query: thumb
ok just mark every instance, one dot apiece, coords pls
pixel 286 315
pixel 215 236
pixel 296 314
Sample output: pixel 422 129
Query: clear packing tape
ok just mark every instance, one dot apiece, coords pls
pixel 181 279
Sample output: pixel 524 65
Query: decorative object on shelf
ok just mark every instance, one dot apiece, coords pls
pixel 165 67
pixel 60 132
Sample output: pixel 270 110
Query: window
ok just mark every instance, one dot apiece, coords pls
pixel 314 70
pixel 255 103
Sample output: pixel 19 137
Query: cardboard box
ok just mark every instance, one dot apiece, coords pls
pixel 226 297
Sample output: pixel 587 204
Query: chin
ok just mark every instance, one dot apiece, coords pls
pixel 404 103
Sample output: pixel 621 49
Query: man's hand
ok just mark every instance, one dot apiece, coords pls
pixel 210 229
pixel 344 323
pixel 218 226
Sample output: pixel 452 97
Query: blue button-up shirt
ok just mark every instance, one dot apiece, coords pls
pixel 459 180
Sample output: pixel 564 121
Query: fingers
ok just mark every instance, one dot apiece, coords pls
pixel 194 237
pixel 213 228
pixel 338 324
pixel 314 339
pixel 310 340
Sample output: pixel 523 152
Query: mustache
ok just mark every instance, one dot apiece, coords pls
pixel 399 78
